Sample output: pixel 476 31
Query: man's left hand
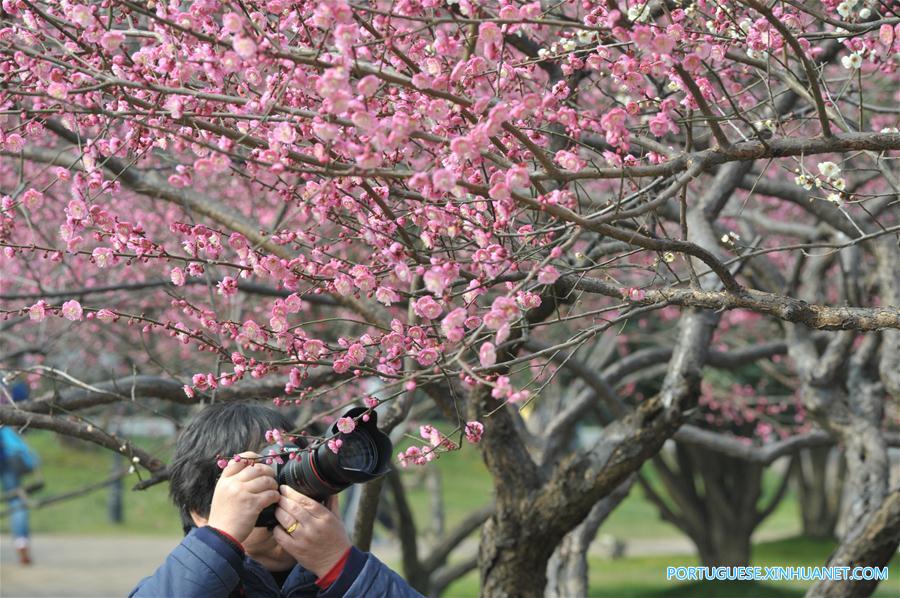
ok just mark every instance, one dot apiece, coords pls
pixel 319 541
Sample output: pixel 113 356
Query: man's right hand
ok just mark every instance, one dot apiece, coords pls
pixel 243 491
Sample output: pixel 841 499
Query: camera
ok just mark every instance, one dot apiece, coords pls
pixel 319 472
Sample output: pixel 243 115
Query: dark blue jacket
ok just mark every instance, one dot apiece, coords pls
pixel 207 565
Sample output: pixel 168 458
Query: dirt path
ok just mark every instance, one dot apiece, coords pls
pixel 64 566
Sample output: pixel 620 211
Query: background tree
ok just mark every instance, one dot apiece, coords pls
pixel 289 200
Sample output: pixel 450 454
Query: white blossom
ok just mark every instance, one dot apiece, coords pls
pixel 852 61
pixel 829 169
pixel 804 180
pixel 585 36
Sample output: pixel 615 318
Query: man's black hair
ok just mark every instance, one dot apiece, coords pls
pixel 224 429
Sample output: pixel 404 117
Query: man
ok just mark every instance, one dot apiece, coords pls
pixel 223 554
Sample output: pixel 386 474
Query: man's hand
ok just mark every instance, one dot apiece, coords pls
pixel 319 540
pixel 243 491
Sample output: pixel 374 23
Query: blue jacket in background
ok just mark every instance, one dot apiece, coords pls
pixel 206 565
pixel 12 445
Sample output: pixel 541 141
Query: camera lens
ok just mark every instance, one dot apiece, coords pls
pixel 358 453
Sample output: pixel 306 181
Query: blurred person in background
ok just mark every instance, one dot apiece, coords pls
pixel 16 461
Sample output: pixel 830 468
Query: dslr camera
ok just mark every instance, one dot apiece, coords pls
pixel 319 472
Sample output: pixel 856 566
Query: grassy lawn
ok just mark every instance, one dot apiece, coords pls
pixel 74 464
pixel 646 576
pixel 466 486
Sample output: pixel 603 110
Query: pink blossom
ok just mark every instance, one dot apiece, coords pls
pixel 517 177
pixel 438 278
pixel 284 133
pixel 111 40
pixel 368 85
pixel 691 63
pixel 386 295
pixel 416 455
pixel 487 355
pixel 413 454
pixel 499 191
pixel 71 310
pixel 32 199
pixel 886 35
pixel 334 445
pixel 252 330
pixel 105 315
pixel 427 356
pixel 455 318
pixel 452 324
pixel 495 318
pixel 463 147
pixel 519 396
pixel 177 276
pixel 356 353
pixel 314 348
pixel 278 322
pixel 57 90
pixel 38 311
pixel 244 47
pixel 548 275
pixel 502 333
pixel 426 307
pixel 340 365
pixel 501 389
pixel 613 123
pixel 14 142
pixel 431 434
pixel 443 179
pixel 81 14
pixel 528 300
pixel 343 285
pixel 232 22
pixel 228 286
pixel 661 124
pixel 474 431
pixel 634 294
pixel 345 425
pixel 569 160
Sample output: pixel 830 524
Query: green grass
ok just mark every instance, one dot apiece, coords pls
pixel 636 517
pixel 72 464
pixel 646 576
pixel 465 482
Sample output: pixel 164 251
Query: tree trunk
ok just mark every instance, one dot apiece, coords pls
pixel 724 550
pixel 513 558
pixel 713 499
pixel 567 571
pixel 819 480
pixel 873 545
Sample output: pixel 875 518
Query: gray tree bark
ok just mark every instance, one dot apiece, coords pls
pixel 567 571
pixel 819 481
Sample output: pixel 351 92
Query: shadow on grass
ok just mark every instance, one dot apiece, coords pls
pixel 711 589
pixel 736 589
